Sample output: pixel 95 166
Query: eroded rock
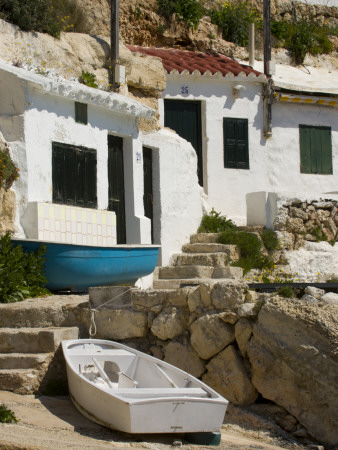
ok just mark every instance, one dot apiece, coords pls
pixel 227 375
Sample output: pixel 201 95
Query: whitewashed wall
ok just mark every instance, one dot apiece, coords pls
pixel 31 119
pixel 274 162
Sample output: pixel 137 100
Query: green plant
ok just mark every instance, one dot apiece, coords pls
pixel 270 240
pixel 161 28
pixel 280 29
pixel 138 12
pixel 286 292
pixel 249 247
pixel 20 272
pixel 89 79
pixel 45 16
pixel 189 11
pixel 214 223
pixel 8 171
pixel 318 234
pixel 234 18
pixel 6 415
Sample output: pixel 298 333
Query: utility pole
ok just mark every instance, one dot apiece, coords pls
pixel 114 42
pixel 267 90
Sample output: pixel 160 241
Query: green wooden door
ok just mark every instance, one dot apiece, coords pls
pixel 184 117
pixel 116 186
pixel 148 186
pixel 315 149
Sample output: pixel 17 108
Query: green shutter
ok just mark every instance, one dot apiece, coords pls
pixel 74 175
pixel 81 113
pixel 236 143
pixel 315 149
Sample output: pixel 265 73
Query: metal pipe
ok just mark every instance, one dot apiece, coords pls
pixel 251 44
pixel 267 37
pixel 114 41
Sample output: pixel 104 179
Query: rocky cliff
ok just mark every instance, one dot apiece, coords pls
pixel 141 24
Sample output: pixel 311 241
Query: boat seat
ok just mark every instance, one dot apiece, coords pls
pixel 163 392
pixel 125 381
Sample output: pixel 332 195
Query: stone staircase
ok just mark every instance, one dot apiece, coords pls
pixel 30 356
pixel 203 258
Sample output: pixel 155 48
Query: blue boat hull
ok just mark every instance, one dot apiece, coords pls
pixel 78 267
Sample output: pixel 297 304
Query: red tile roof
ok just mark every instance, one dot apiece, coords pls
pixel 202 62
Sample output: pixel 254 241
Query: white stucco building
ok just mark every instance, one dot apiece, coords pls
pixel 82 158
pixel 217 104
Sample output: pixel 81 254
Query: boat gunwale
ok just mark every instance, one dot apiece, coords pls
pixel 214 397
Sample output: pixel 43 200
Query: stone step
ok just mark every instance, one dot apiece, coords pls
pixel 219 259
pixel 20 381
pixel 188 272
pixel 34 340
pixel 179 283
pixel 58 311
pixel 202 247
pixel 24 360
pixel 205 238
pixel 178 272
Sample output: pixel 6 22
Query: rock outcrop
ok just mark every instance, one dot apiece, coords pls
pixel 294 361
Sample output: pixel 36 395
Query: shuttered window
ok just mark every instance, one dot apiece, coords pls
pixel 74 175
pixel 236 145
pixel 81 113
pixel 315 149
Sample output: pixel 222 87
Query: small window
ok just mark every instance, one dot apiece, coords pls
pixel 74 175
pixel 236 145
pixel 81 113
pixel 315 149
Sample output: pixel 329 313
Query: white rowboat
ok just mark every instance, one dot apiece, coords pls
pixel 130 391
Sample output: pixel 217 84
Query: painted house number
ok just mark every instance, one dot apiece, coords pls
pixel 185 90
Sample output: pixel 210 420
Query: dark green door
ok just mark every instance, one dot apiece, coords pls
pixel 148 186
pixel 184 117
pixel 116 186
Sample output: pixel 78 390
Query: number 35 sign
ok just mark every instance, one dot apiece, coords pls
pixel 185 90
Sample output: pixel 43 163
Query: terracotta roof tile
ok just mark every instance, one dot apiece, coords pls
pixel 202 62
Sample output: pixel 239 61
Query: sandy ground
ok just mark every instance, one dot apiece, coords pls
pixel 54 423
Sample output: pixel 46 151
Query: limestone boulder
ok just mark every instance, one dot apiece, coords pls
pixel 247 310
pixel 227 375
pixel 171 322
pixel 143 72
pixel 209 335
pixel 7 211
pixel 243 332
pixel 121 324
pixel 229 295
pixel 294 360
pixel 184 357
pixel 330 298
pixel 314 292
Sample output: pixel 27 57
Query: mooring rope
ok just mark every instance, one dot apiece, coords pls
pixel 92 326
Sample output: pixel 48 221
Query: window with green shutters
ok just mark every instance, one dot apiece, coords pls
pixel 74 175
pixel 315 149
pixel 236 143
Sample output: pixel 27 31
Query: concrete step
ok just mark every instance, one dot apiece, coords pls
pixel 24 360
pixel 219 259
pixel 57 311
pixel 205 238
pixel 34 340
pixel 202 247
pixel 178 272
pixel 20 381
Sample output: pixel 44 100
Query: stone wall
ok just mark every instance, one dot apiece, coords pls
pixel 233 338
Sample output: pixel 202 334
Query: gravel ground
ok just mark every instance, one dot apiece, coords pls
pixel 54 423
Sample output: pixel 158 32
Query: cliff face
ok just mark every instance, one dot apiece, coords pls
pixel 141 25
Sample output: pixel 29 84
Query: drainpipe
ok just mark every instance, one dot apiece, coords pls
pixel 267 90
